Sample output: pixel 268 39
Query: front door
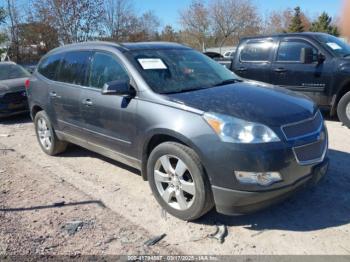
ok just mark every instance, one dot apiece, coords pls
pixel 109 120
pixel 288 70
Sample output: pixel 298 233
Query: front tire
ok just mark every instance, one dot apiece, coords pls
pixel 343 109
pixel 46 136
pixel 178 181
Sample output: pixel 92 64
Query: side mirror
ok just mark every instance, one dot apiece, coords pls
pixel 118 87
pixel 320 58
pixel 306 55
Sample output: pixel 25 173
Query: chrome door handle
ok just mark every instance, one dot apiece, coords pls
pixel 54 95
pixel 87 102
pixel 241 69
pixel 280 70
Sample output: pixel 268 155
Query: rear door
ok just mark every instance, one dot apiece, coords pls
pixel 65 91
pixel 109 120
pixel 288 71
pixel 254 59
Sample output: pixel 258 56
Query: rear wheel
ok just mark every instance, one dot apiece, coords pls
pixel 46 136
pixel 178 181
pixel 343 109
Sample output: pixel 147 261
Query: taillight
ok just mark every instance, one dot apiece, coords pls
pixel 27 84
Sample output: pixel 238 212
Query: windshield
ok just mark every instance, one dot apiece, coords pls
pixel 12 71
pixel 335 45
pixel 179 70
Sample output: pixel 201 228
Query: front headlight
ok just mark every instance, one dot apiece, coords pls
pixel 235 130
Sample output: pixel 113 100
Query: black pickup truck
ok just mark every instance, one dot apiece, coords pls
pixel 315 64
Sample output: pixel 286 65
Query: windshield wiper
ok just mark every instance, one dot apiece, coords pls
pixel 228 81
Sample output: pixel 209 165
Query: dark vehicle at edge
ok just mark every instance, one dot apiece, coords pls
pixel 13 98
pixel 199 135
pixel 315 64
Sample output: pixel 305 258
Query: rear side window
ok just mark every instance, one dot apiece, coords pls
pixel 48 67
pixel 73 67
pixel 290 51
pixel 106 68
pixel 256 52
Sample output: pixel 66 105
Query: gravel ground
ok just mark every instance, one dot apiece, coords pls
pixel 82 203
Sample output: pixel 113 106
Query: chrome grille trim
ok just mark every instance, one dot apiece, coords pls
pixel 317 131
pixel 312 161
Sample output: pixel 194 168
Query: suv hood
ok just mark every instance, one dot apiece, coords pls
pixel 266 104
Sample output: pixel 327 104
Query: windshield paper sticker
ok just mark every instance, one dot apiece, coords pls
pixel 152 63
pixel 334 46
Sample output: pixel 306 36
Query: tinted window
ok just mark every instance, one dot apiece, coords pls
pixel 178 70
pixel 256 52
pixel 48 67
pixel 290 51
pixel 12 71
pixel 73 67
pixel 105 68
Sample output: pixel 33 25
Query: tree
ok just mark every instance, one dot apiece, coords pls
pixel 14 17
pixel 196 24
pixel 38 34
pixel 279 21
pixel 233 17
pixel 74 20
pixel 324 24
pixel 3 15
pixel 296 24
pixel 120 19
pixel 168 34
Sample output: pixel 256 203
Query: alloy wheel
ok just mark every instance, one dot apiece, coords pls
pixel 174 182
pixel 347 111
pixel 44 134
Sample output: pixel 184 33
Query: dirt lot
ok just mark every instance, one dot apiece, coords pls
pixel 108 209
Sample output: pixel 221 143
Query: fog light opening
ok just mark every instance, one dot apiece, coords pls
pixel 258 178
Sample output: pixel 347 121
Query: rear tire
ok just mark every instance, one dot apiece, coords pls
pixel 178 181
pixel 343 109
pixel 46 135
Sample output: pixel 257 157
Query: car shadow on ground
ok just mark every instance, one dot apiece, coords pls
pixel 324 206
pixel 18 119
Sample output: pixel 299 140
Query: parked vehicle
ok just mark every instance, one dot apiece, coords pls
pixel 198 134
pixel 316 64
pixel 30 68
pixel 213 55
pixel 13 98
pixel 230 54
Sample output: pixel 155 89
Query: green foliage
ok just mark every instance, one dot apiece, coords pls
pixel 3 37
pixel 324 24
pixel 296 24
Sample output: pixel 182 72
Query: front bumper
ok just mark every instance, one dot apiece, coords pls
pixel 235 202
pixel 13 108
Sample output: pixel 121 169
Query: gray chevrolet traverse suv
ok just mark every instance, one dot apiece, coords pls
pixel 201 136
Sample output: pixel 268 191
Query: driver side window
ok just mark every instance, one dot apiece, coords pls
pixel 290 51
pixel 105 68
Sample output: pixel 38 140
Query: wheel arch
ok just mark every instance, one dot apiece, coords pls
pixel 345 88
pixel 34 110
pixel 159 136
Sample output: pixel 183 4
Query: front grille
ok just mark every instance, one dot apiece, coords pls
pixel 312 153
pixel 16 97
pixel 303 128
